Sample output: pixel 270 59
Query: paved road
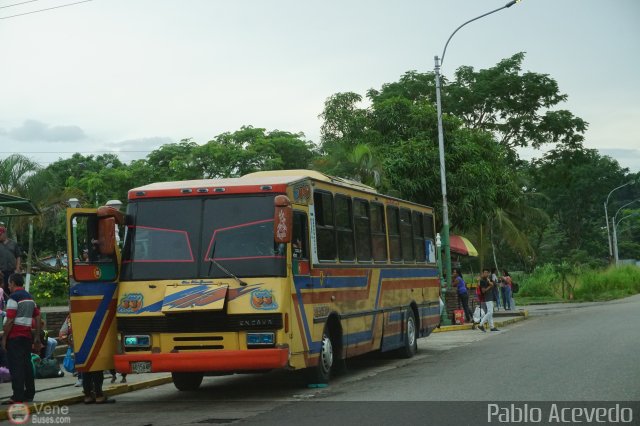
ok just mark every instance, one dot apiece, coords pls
pixel 577 353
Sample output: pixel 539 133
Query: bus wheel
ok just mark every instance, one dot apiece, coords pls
pixel 187 381
pixel 322 372
pixel 411 336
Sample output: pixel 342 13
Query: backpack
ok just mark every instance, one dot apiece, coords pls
pixel 48 368
pixel 479 294
pixel 515 287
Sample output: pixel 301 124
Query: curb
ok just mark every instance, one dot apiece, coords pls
pixel 111 391
pixel 500 323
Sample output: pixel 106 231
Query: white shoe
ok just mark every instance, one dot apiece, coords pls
pixel 78 383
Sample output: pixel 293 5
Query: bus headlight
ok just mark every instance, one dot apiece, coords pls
pixel 260 339
pixel 137 341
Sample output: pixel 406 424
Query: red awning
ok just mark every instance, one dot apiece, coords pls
pixel 461 245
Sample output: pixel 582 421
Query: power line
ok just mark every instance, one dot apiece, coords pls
pixel 74 152
pixel 17 4
pixel 42 10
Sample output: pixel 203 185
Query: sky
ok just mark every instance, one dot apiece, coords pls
pixel 127 76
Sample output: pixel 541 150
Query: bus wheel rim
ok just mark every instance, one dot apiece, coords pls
pixel 411 331
pixel 326 354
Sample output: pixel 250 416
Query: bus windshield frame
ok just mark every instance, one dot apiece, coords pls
pixel 176 238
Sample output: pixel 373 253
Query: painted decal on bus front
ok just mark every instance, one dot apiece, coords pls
pixel 192 291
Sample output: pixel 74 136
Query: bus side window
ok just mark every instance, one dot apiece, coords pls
pixel 299 245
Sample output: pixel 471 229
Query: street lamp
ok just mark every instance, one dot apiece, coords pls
pixel 443 178
pixel 606 216
pixel 614 224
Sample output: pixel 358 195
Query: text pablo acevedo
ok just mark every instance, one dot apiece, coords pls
pixel 558 413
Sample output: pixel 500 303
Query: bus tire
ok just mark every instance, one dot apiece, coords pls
pixel 321 373
pixel 410 335
pixel 187 381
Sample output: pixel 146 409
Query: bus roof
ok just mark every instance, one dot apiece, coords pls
pixel 278 180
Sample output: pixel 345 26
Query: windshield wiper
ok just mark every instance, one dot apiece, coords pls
pixel 222 268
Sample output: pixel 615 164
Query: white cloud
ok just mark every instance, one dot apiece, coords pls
pixel 37 131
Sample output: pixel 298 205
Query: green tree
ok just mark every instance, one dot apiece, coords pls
pixel 576 181
pixel 517 107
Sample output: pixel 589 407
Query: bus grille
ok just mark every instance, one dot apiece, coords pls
pixel 199 322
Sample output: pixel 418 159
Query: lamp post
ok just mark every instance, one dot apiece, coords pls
pixel 606 216
pixel 443 178
pixel 614 224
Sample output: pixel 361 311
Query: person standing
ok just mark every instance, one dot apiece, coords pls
pixel 9 259
pixel 496 292
pixel 507 289
pixel 463 293
pixel 17 340
pixel 486 287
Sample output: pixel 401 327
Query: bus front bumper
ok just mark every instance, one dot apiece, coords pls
pixel 210 361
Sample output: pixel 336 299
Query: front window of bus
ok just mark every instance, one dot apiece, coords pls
pixel 197 238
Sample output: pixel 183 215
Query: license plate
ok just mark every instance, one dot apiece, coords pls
pixel 141 367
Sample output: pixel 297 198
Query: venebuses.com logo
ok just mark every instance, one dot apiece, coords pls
pixel 20 414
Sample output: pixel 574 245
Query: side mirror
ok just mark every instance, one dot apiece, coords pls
pixel 107 235
pixel 282 219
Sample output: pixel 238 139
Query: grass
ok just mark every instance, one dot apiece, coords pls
pixel 612 283
pixel 544 285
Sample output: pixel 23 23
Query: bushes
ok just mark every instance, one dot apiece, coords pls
pixel 541 283
pixel 48 287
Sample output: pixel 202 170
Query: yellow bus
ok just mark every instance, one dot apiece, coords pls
pixel 283 269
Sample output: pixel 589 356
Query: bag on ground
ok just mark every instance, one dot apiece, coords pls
pixel 68 363
pixel 5 375
pixel 48 368
pixel 478 314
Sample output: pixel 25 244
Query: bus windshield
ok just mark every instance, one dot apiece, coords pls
pixel 177 238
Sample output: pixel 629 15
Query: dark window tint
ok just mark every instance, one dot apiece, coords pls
pixel 418 236
pixel 363 229
pixel 378 233
pixel 428 226
pixel 344 228
pixel 299 244
pixel 393 227
pixel 406 235
pixel 325 227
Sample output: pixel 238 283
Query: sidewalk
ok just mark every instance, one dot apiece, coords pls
pixel 61 390
pixel 500 318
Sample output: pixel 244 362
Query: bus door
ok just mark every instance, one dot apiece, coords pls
pixel 301 276
pixel 93 276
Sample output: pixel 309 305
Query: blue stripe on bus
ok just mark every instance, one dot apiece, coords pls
pixel 353 338
pixel 341 282
pixel 106 290
pixel 91 289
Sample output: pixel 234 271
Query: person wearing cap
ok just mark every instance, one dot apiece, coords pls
pixel 9 258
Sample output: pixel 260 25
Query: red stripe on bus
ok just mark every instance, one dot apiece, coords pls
pixel 90 305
